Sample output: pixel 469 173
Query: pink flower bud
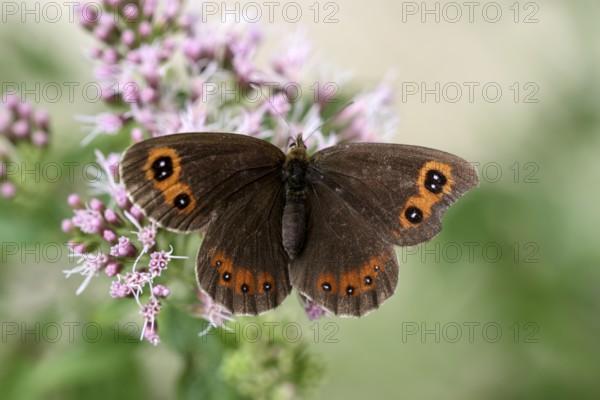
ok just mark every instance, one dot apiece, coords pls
pixel 88 15
pixel 149 8
pixel 109 236
pixel 148 95
pixel 134 57
pixel 192 49
pixel 102 32
pixel 78 248
pixel 112 217
pixel 128 37
pixel 110 56
pixel 24 110
pixel 131 12
pixel 74 201
pixel 66 225
pixel 108 94
pixel 136 213
pixel 145 29
pixel 112 268
pixel 8 190
pixel 160 291
pixel 40 138
pixel 137 135
pixel 96 205
pixel 12 101
pixel 20 128
pixel 121 197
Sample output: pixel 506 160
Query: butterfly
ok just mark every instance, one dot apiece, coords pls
pixel 325 224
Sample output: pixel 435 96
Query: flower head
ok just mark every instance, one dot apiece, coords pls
pixel 159 261
pixel 123 248
pixel 88 220
pixel 214 313
pixel 313 311
pixel 107 123
pixel 89 266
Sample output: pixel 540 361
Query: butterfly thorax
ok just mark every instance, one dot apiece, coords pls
pixel 295 211
pixel 295 167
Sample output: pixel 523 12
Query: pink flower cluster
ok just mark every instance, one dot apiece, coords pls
pixel 220 85
pixel 110 237
pixel 20 124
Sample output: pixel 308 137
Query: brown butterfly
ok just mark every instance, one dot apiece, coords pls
pixel 325 224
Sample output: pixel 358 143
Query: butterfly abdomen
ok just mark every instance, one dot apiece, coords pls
pixel 294 212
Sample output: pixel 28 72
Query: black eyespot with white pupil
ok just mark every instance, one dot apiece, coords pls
pixel 368 280
pixel 267 286
pixel 244 287
pixel 182 201
pixel 414 214
pixel 226 276
pixel 326 287
pixel 435 181
pixel 349 290
pixel 162 168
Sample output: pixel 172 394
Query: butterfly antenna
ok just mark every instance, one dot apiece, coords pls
pixel 328 120
pixel 257 87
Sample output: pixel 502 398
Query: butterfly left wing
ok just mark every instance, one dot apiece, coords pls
pixel 180 180
pixel 242 264
pixel 232 183
pixel 401 191
pixel 344 266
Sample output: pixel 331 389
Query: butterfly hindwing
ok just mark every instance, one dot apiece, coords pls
pixel 179 180
pixel 241 263
pixel 344 266
pixel 401 191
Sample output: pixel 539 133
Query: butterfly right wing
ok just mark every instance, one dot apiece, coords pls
pixel 344 266
pixel 401 191
pixel 363 198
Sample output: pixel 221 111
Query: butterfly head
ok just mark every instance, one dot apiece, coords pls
pixel 297 148
pixel 296 144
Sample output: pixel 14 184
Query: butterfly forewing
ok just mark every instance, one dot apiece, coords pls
pixel 344 266
pixel 400 191
pixel 179 180
pixel 242 264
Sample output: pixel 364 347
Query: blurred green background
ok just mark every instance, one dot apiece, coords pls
pixel 504 303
